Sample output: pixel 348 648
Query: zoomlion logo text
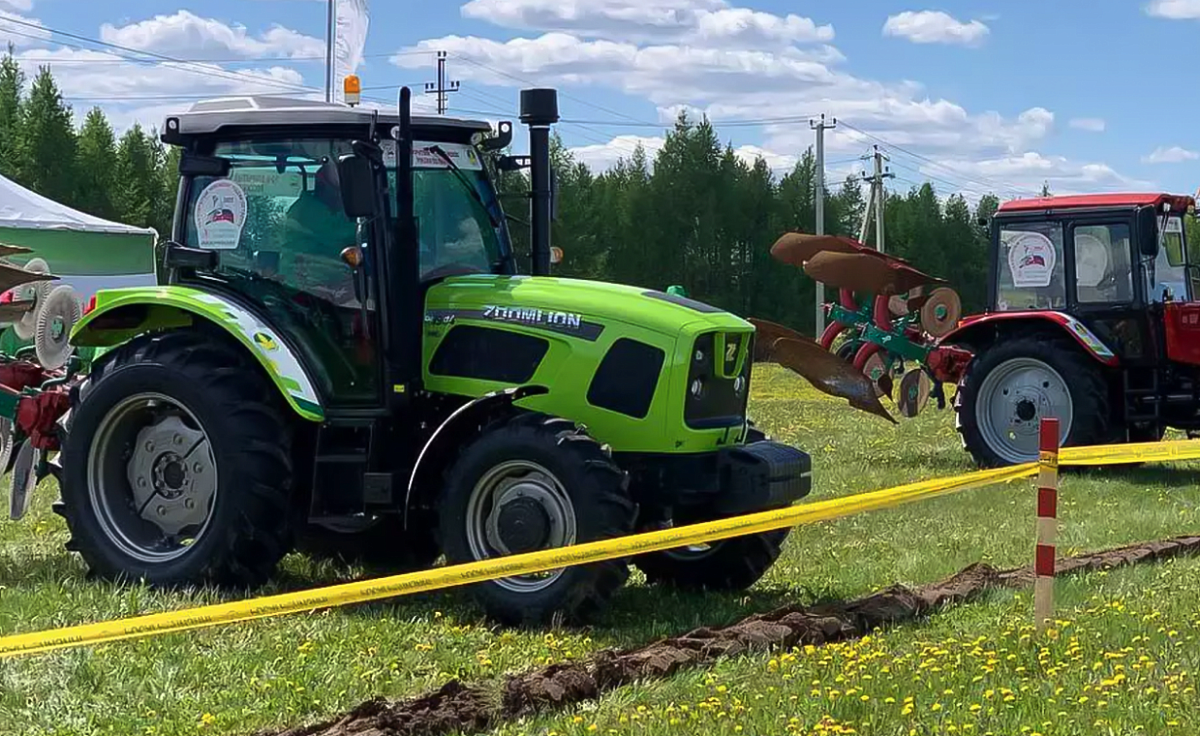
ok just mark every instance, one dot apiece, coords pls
pixel 533 316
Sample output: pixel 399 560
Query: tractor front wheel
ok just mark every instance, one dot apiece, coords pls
pixel 533 482
pixel 175 468
pixel 1009 388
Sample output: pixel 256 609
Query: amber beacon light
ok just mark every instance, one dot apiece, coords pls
pixel 352 88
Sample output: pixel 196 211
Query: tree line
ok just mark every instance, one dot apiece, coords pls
pixel 131 180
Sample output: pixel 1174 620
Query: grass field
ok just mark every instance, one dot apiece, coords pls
pixel 1124 659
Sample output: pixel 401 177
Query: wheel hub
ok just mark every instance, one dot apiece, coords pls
pixel 172 476
pixel 518 506
pixel 523 525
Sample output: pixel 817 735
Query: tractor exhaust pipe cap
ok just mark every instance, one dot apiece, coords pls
pixel 539 106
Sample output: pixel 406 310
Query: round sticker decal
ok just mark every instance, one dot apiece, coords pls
pixel 1031 258
pixel 220 215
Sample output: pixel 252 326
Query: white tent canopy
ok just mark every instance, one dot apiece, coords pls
pixel 22 208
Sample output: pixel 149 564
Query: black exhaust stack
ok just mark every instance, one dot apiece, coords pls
pixel 406 278
pixel 539 110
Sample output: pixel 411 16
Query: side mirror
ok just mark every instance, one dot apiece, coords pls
pixel 358 185
pixel 1147 221
pixel 195 164
pixel 501 140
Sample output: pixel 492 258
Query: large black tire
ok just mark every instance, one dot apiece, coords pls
pixel 384 545
pixel 1082 376
pixel 588 483
pixel 727 565
pixel 247 530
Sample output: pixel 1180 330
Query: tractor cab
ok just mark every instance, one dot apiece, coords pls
pixel 1116 263
pixel 1093 317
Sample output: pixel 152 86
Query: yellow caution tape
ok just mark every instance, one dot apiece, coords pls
pixel 524 564
pixel 473 572
pixel 1134 452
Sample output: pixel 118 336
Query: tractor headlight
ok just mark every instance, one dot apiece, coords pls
pixel 697 388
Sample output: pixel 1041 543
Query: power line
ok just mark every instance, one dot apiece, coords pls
pixel 932 162
pixel 514 77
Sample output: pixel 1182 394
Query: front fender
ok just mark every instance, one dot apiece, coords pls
pixel 122 314
pixel 981 330
pixel 457 429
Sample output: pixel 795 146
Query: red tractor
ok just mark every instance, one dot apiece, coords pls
pixel 1093 317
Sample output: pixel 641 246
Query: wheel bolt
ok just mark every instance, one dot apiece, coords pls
pixel 149 446
pixel 178 440
pixel 189 503
pixel 141 482
pixel 162 510
pixel 197 467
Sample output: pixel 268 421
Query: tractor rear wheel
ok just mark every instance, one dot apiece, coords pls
pixel 1010 387
pixel 176 467
pixel 527 483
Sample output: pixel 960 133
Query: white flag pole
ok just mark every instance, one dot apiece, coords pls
pixel 329 54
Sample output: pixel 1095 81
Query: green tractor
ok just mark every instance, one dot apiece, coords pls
pixel 341 353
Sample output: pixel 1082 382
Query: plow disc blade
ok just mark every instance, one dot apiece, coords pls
pixel 914 392
pixel 828 373
pixel 11 276
pixel 865 273
pixel 940 314
pixel 796 248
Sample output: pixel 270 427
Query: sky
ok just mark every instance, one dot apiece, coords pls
pixel 977 97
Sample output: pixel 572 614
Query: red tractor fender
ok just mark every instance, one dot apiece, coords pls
pixel 979 330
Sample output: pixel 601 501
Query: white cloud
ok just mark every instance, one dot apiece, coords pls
pixel 1029 170
pixel 690 21
pixel 1091 125
pixel 603 156
pixel 1172 155
pixel 934 26
pixel 779 163
pixel 186 35
pixel 23 6
pixel 1174 9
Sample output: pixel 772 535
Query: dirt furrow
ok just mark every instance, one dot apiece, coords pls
pixel 459 707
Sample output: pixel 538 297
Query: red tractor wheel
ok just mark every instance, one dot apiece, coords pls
pixel 1012 385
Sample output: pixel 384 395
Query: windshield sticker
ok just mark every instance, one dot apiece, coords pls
pixel 220 215
pixel 268 183
pixel 464 156
pixel 1174 225
pixel 1031 259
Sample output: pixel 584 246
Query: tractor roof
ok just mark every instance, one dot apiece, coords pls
pixel 1178 203
pixel 210 116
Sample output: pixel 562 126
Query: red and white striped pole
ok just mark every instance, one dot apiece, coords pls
pixel 1047 523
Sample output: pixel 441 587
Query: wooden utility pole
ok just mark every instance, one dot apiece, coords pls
pixel 820 126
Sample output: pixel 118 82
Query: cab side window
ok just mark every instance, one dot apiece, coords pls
pixel 1103 264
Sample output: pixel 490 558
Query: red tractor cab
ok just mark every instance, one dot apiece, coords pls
pixel 1093 317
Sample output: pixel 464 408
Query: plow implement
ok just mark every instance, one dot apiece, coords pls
pixel 34 379
pixel 883 331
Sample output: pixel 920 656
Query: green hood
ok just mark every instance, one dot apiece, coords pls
pixel 591 300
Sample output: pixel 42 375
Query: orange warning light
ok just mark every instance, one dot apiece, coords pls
pixel 352 88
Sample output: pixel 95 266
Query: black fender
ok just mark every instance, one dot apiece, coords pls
pixel 463 422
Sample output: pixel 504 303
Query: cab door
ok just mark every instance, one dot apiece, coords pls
pixel 1172 286
pixel 1101 268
